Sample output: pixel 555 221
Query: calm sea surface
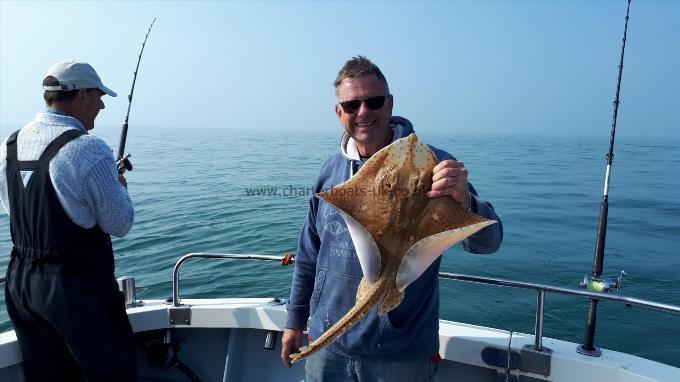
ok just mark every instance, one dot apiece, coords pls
pixel 190 190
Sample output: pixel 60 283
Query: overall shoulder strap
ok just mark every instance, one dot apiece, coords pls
pixel 59 142
pixel 12 155
pixel 12 146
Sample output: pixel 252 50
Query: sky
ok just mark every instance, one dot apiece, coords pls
pixel 486 67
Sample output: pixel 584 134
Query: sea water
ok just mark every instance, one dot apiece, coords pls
pixel 247 191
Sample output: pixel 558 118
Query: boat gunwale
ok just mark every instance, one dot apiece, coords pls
pixel 540 288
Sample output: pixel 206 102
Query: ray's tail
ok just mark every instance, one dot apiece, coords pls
pixel 375 294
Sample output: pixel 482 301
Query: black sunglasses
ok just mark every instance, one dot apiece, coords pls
pixel 373 103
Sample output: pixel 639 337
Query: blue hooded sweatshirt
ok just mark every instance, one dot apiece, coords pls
pixel 327 274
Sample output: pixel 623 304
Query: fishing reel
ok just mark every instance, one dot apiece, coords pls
pixel 603 284
pixel 124 164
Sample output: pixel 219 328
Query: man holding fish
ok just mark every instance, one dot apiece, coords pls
pixel 366 269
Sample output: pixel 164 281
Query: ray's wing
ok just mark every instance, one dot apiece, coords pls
pixel 360 208
pixel 442 224
pixel 423 253
pixel 365 247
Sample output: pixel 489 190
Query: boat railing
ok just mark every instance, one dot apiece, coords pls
pixel 224 256
pixel 541 289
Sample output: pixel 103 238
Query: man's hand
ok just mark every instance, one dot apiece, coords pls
pixel 122 180
pixel 290 343
pixel 449 177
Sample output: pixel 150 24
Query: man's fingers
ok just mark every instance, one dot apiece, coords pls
pixel 448 182
pixel 285 358
pixel 454 192
pixel 290 343
pixel 286 351
pixel 446 172
pixel 450 172
pixel 447 163
pixel 435 194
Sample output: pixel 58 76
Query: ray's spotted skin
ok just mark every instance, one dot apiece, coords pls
pixel 397 231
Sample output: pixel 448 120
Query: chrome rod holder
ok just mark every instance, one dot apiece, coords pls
pixel 126 284
pixel 538 331
pixel 270 340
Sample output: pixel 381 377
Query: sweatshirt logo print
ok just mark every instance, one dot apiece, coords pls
pixel 329 210
pixel 26 176
pixel 335 227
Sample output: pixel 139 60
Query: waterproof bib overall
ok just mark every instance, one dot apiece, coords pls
pixel 61 293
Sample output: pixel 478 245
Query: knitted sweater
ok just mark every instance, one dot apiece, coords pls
pixel 83 173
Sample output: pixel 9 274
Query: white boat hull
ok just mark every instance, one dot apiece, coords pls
pixel 225 342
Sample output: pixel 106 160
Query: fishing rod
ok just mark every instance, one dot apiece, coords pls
pixel 122 160
pixel 597 282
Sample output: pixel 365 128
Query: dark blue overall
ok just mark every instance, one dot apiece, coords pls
pixel 61 293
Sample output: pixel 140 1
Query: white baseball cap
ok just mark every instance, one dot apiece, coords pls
pixel 73 75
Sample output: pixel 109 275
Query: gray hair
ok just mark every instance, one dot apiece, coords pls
pixel 359 66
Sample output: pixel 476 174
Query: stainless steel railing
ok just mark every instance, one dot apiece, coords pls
pixel 541 289
pixel 225 256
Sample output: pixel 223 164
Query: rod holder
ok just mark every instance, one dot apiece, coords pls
pixel 538 330
pixel 126 284
pixel 270 340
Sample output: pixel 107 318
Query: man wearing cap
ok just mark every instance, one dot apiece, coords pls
pixel 65 198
